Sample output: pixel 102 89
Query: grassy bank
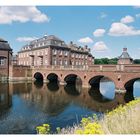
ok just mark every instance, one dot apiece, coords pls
pixel 122 120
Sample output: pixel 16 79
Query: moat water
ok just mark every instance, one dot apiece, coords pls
pixel 23 106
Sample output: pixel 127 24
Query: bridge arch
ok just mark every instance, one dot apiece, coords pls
pixel 129 83
pixel 95 80
pixel 99 83
pixel 73 79
pixel 130 87
pixel 53 77
pixel 38 76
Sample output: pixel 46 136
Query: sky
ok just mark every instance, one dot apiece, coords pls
pixel 105 29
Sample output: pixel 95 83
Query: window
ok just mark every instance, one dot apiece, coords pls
pixel 2 61
pixel 66 53
pixel 46 52
pixel 54 52
pixel 46 61
pixel 41 61
pixel 72 62
pixel 66 62
pixel 32 61
pixel 73 55
pixel 61 52
pixel 54 62
pixel 60 62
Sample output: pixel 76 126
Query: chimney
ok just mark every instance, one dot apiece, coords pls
pixel 71 42
pixel 124 49
pixel 45 35
pixel 85 46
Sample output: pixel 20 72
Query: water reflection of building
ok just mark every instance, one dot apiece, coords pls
pixel 5 96
pixel 54 100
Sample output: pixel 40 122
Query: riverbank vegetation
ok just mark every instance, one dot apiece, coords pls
pixel 111 61
pixel 122 120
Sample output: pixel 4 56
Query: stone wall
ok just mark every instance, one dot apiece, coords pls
pixel 17 73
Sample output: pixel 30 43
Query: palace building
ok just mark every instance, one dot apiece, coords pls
pixel 5 59
pixel 50 50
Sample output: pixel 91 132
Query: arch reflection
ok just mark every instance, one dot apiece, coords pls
pixel 96 95
pixel 5 97
pixel 72 89
pixel 38 83
pixel 52 86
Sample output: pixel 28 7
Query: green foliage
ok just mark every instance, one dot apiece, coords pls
pixel 44 129
pixel 58 129
pixel 137 61
pixel 106 61
pixel 112 61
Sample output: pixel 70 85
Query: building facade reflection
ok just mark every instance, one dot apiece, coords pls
pixel 53 98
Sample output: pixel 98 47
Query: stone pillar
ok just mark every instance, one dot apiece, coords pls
pixel 62 82
pixel 119 85
pixel 119 98
pixel 120 90
pixel 85 84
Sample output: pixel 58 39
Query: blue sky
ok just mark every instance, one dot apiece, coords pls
pixel 105 29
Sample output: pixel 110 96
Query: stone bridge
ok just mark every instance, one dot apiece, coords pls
pixel 123 76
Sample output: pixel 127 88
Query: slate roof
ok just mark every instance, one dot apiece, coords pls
pixel 125 55
pixel 53 37
pixel 4 45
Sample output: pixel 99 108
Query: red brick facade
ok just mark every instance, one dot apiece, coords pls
pixel 50 50
pixel 5 59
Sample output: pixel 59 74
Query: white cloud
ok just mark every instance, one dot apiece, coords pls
pixel 138 15
pixel 100 46
pixel 85 40
pixel 9 14
pixel 99 32
pixel 120 29
pixel 127 19
pixel 25 39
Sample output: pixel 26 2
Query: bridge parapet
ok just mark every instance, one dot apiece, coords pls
pixel 132 68
pixel 81 68
pixel 96 68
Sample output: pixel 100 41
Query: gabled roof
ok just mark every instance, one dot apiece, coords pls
pixel 4 45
